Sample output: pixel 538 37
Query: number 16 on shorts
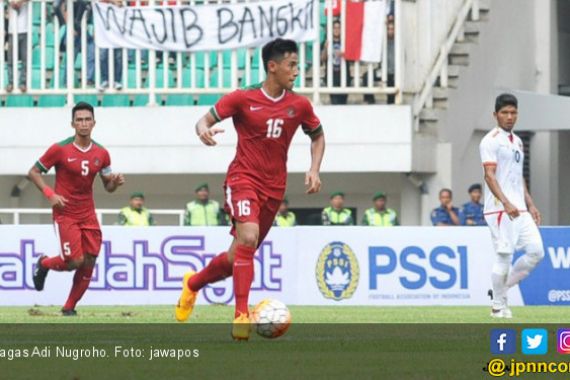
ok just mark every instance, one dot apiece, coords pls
pixel 244 207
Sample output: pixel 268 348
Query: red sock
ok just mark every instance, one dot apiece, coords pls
pixel 55 263
pixel 81 281
pixel 218 269
pixel 243 277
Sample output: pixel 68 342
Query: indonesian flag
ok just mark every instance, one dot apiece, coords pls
pixel 365 28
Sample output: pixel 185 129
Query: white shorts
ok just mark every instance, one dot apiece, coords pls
pixel 513 235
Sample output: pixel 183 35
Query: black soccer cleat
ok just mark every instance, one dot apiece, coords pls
pixel 68 313
pixel 40 274
pixel 490 294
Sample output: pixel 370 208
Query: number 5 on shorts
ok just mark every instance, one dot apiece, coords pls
pixel 244 207
pixel 66 249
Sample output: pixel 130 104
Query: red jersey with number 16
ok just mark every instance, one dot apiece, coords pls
pixel 75 170
pixel 265 127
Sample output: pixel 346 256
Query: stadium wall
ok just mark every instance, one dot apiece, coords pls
pixel 369 148
pixel 517 50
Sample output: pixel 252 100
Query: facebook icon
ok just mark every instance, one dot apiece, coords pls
pixel 503 341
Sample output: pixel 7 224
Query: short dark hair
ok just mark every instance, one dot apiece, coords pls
pixel 475 186
pixel 445 190
pixel 81 106
pixel 505 100
pixel 276 49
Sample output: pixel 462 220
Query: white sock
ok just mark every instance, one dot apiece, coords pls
pixel 523 266
pixel 499 280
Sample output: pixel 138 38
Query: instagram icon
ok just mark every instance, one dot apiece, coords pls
pixel 563 341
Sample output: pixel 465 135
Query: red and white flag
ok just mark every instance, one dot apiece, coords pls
pixel 365 28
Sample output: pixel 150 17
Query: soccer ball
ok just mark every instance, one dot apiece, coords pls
pixel 271 318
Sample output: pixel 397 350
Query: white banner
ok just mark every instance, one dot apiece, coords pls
pixel 299 266
pixel 204 27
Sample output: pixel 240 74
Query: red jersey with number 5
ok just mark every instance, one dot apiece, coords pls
pixel 75 170
pixel 265 127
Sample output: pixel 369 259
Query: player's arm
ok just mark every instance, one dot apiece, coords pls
pixel 531 206
pixel 312 178
pixel 50 159
pixel 228 106
pixel 55 200
pixel 112 181
pixel 491 180
pixel 205 129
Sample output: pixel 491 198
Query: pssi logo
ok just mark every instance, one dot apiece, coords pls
pixel 337 271
pixel 443 267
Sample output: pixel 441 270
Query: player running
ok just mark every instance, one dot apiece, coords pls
pixel 77 160
pixel 509 209
pixel 266 116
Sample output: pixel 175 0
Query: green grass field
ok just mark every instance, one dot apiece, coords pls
pixel 301 314
pixel 322 343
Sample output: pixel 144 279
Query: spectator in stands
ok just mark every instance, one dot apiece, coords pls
pixel 337 55
pixel 117 69
pixel 390 57
pixel 472 211
pixel 380 215
pixel 445 214
pixel 284 217
pixel 135 214
pixel 17 30
pixel 80 8
pixel 117 61
pixel 336 214
pixel 203 211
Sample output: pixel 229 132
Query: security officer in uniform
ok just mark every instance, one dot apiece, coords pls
pixel 472 212
pixel 379 215
pixel 445 214
pixel 336 214
pixel 135 214
pixel 284 217
pixel 202 211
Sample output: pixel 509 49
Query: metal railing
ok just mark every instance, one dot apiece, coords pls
pixel 439 69
pixel 51 70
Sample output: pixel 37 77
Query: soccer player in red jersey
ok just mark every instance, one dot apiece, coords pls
pixel 77 160
pixel 266 116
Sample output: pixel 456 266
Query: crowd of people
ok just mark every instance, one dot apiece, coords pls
pixel 204 211
pixel 16 22
pixel 470 214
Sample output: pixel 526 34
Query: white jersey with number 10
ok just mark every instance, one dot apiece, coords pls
pixel 505 151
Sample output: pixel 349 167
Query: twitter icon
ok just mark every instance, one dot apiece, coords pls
pixel 534 341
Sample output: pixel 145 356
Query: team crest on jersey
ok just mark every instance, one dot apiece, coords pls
pixel 291 111
pixel 96 162
pixel 337 271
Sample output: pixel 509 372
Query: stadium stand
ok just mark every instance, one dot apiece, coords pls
pixel 222 70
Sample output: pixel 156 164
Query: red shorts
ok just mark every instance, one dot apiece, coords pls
pixel 77 237
pixel 245 204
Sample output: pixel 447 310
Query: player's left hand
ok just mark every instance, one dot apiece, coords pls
pixel 535 215
pixel 313 182
pixel 118 179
